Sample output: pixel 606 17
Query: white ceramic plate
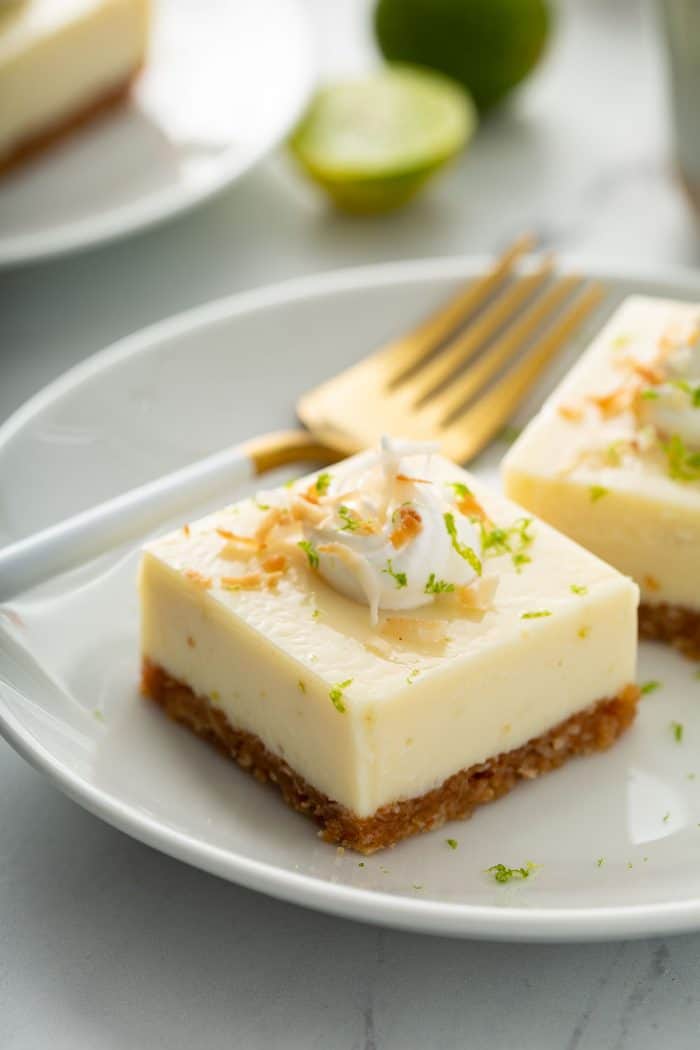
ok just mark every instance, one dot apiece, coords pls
pixel 69 662
pixel 224 82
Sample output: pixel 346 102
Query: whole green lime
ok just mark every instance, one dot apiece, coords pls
pixel 489 46
pixel 372 142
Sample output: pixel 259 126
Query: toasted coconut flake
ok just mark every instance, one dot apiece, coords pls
pixel 478 595
pixel 198 579
pixel 676 335
pixel 406 478
pixel 250 581
pixel 305 511
pixel 274 517
pixel 275 563
pixel 471 508
pixel 414 631
pixel 312 495
pixel 651 583
pixel 186 529
pixel 409 524
pixel 622 399
pixel 573 413
pixel 272 579
pixel 239 541
pixel 650 372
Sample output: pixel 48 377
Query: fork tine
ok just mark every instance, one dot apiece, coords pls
pixel 405 352
pixel 502 351
pixel 468 434
pixel 419 386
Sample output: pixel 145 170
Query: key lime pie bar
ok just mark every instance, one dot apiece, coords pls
pixel 63 62
pixel 613 460
pixel 388 642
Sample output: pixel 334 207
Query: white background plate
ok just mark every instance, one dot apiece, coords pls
pixel 224 82
pixel 68 696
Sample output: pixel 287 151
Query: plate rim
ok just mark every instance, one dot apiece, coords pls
pixel 459 920
pixel 130 220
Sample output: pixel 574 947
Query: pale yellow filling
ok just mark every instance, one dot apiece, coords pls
pixel 415 711
pixel 58 56
pixel 633 514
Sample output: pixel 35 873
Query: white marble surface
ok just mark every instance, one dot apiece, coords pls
pixel 108 945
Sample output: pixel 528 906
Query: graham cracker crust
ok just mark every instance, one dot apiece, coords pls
pixel 671 623
pixel 594 729
pixel 30 148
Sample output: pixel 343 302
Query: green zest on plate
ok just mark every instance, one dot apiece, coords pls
pixel 597 492
pixel 322 483
pixel 452 843
pixel 536 615
pixel 649 687
pixel 468 553
pixel 577 589
pixel 461 490
pixel 399 578
pixel 336 695
pixel 435 586
pixel 502 873
pixel 677 730
pixel 310 551
pixel 683 465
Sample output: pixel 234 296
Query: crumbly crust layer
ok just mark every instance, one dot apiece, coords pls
pixel 35 145
pixel 674 624
pixel 594 729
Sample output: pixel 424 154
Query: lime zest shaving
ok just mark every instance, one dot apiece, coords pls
pixel 502 873
pixel 336 695
pixel 322 483
pixel 310 551
pixel 435 586
pixel 399 578
pixel 464 551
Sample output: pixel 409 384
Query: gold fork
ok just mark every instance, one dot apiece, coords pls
pixel 455 379
pixel 458 377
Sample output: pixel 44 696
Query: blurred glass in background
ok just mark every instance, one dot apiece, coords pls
pixel 681 23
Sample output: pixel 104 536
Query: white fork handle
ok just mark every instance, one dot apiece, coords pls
pixel 93 531
pixel 129 516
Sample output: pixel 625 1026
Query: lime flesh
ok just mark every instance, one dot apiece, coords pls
pixel 372 143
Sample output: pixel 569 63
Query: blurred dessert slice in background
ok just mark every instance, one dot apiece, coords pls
pixel 64 63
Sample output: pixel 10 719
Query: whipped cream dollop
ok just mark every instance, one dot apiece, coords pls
pixel 673 406
pixel 386 531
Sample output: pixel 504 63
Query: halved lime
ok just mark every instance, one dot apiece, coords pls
pixel 372 143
